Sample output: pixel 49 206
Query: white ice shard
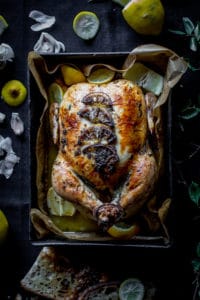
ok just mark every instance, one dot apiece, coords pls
pixel 48 44
pixel 9 160
pixel 6 54
pixel 43 21
pixel 16 124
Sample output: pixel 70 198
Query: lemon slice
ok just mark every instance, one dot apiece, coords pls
pixel 145 77
pixel 55 93
pixel 121 230
pixel 86 25
pixel 3 227
pixel 101 75
pixel 14 92
pixel 131 289
pixel 77 223
pixel 58 206
pixel 3 24
pixel 72 75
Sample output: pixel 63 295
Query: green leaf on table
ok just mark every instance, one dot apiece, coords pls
pixel 197 32
pixel 188 25
pixel 198 249
pixel 179 32
pixel 194 192
pixel 198 100
pixel 196 265
pixel 193 44
pixel 189 112
pixel 192 68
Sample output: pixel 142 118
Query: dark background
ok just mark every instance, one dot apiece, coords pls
pixel 169 269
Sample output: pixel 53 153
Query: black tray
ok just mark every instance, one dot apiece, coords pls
pixel 36 108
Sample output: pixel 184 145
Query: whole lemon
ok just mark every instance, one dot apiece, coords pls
pixel 145 16
pixel 3 227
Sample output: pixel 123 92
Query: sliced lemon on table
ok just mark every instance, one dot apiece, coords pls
pixel 101 75
pixel 72 75
pixel 58 206
pixel 86 25
pixel 148 79
pixel 55 93
pixel 122 230
pixel 3 24
pixel 131 289
pixel 3 227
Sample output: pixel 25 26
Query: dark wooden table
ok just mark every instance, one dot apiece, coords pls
pixel 169 269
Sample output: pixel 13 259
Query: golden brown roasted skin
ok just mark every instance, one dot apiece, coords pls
pixel 104 164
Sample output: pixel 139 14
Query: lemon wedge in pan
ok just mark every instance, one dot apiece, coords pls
pixel 86 25
pixel 77 223
pixel 101 75
pixel 72 75
pixel 121 230
pixel 146 78
pixel 55 93
pixel 58 206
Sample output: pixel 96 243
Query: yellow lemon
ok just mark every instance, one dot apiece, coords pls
pixel 101 75
pixel 72 75
pixel 3 227
pixel 121 230
pixel 145 16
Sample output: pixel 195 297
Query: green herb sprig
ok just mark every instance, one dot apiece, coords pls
pixel 192 31
pixel 191 110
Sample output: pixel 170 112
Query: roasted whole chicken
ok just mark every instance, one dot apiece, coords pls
pixel 106 163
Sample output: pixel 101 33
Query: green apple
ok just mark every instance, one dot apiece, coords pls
pixel 14 92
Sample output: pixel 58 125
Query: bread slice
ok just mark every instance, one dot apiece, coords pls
pixel 53 276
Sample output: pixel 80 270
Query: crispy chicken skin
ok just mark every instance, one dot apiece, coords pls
pixel 104 164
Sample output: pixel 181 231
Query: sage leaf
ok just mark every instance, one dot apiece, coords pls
pixel 188 25
pixel 190 112
pixel 179 32
pixel 193 44
pixel 192 68
pixel 196 265
pixel 194 192
pixel 197 32
pixel 198 100
pixel 198 250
